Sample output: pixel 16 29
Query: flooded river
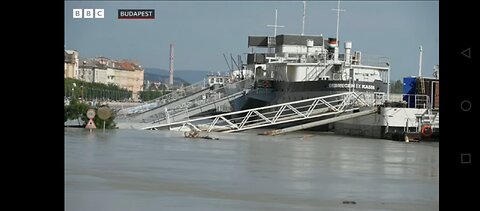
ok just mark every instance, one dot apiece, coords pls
pixel 160 170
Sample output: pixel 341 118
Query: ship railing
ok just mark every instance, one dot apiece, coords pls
pixel 373 98
pixel 436 120
pixel 315 73
pixel 431 119
pixel 378 98
pixel 417 101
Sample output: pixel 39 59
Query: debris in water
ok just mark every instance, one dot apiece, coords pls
pixel 306 137
pixel 196 134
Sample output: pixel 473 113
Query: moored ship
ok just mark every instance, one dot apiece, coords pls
pixel 299 67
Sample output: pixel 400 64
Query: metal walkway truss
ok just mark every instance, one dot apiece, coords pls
pixel 331 105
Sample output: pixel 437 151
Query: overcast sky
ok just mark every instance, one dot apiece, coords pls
pixel 203 30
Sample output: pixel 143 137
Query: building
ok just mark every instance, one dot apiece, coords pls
pixel 125 74
pixel 71 64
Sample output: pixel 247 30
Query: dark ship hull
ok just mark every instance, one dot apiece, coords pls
pixel 265 93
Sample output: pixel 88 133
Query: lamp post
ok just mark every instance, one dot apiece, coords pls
pixel 73 89
pixel 83 70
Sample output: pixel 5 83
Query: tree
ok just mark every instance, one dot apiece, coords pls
pixel 149 95
pixel 90 91
pixel 77 110
pixel 65 109
pixel 396 87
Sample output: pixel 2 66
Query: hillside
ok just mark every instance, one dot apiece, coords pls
pixel 179 76
pixel 164 78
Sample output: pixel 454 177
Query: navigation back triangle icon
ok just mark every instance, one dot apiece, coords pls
pixel 90 124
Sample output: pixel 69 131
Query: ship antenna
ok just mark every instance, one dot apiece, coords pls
pixel 303 21
pixel 420 63
pixel 274 32
pixel 275 26
pixel 338 16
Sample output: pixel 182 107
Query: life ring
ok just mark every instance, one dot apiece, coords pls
pixel 426 130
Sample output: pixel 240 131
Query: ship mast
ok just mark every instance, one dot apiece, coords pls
pixel 303 21
pixel 338 17
pixel 274 31
pixel 275 26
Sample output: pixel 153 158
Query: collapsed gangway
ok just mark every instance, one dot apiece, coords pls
pixel 172 97
pixel 182 98
pixel 214 98
pixel 331 106
pixel 186 112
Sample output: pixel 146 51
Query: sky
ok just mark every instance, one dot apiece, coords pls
pixel 202 31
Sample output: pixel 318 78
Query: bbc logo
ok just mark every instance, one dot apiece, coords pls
pixel 88 13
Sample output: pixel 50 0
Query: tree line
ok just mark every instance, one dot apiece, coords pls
pixel 95 91
pixel 396 87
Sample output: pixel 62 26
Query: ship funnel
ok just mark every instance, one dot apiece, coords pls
pixel 332 42
pixel 348 48
pixel 333 48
